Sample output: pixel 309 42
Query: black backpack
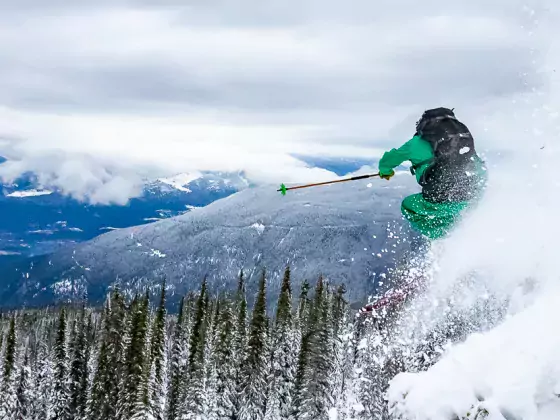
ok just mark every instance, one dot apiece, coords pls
pixel 451 175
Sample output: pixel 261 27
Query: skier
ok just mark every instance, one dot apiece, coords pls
pixel 451 174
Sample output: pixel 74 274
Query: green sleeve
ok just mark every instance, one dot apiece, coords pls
pixel 394 158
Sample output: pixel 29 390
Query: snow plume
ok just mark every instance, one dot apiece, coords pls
pixel 480 340
pixel 492 300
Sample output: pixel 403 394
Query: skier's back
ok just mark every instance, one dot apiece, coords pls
pixel 447 167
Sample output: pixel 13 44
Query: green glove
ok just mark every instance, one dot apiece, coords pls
pixel 387 176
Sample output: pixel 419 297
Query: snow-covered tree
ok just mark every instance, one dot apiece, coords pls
pixel 158 360
pixel 239 341
pixel 117 336
pixel 98 403
pixel 255 368
pixel 60 404
pixel 24 391
pixel 193 406
pixel 179 356
pixel 133 399
pixel 223 357
pixel 284 359
pixel 108 378
pixel 342 353
pixel 303 335
pixel 78 368
pixel 113 362
pixel 211 368
pixel 43 379
pixel 8 400
pixel 314 377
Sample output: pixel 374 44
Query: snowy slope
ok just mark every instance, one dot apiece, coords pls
pixel 348 232
pixel 29 193
pixel 511 372
pixel 181 181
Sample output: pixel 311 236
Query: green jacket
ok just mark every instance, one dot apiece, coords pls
pixel 433 220
pixel 416 150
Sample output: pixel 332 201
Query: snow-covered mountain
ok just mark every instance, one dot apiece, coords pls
pixel 351 233
pixel 35 220
pixel 29 193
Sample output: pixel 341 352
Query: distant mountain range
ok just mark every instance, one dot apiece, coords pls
pixel 35 220
pixel 351 233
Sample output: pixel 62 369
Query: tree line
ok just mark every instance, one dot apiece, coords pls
pixel 215 359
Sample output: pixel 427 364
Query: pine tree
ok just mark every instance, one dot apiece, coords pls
pixel 143 407
pixel 8 402
pixel 133 403
pixel 339 309
pixel 179 355
pixel 24 393
pixel 105 396
pixel 366 395
pixel 343 347
pixel 193 407
pixel 111 363
pixel 44 378
pixel 60 403
pixel 317 399
pixel 313 388
pixel 255 367
pixel 10 354
pixel 211 369
pixel 225 370
pixel 304 349
pixel 78 369
pixel 1 342
pixel 284 360
pixel 302 313
pixel 87 378
pixel 97 406
pixel 239 342
pixel 241 323
pixel 158 361
pixel 114 377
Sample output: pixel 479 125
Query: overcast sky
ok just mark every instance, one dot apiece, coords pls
pixel 95 95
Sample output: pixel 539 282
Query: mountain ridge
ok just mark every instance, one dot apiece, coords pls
pixel 38 220
pixel 351 233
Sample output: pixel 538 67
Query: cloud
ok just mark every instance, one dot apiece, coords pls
pixel 80 177
pixel 97 96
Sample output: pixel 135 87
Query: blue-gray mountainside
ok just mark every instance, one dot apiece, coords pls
pixel 37 219
pixel 351 233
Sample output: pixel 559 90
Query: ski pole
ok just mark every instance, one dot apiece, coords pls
pixel 283 188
